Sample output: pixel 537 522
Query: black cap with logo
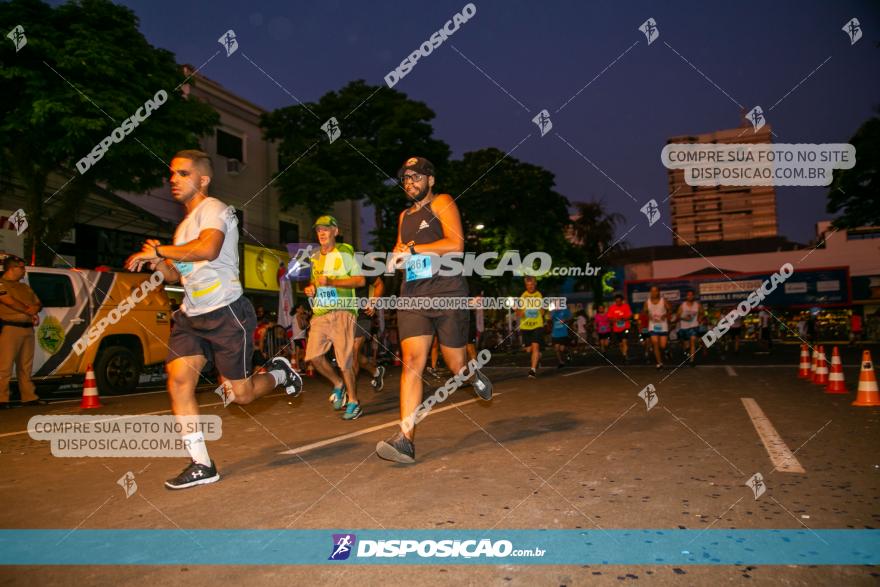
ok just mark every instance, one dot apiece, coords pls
pixel 417 164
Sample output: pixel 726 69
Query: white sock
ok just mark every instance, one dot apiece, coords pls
pixel 280 377
pixel 376 372
pixel 195 444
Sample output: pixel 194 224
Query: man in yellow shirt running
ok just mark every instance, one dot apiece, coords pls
pixel 531 323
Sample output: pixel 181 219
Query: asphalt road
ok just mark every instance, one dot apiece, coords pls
pixel 574 448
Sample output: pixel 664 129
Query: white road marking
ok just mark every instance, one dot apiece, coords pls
pixel 335 439
pixel 581 371
pixel 780 455
pixel 730 370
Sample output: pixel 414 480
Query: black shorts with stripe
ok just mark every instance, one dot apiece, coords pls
pixel 224 336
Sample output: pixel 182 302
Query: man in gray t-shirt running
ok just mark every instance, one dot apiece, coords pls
pixel 216 321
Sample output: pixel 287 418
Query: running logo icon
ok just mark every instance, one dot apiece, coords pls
pixel 543 121
pixel 19 39
pixel 229 42
pixel 853 29
pixel 128 484
pixel 331 127
pixel 343 544
pixel 19 221
pixel 649 28
pixel 757 485
pixel 649 394
pixel 651 211
pixel 756 117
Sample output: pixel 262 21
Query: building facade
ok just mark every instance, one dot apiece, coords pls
pixel 703 214
pixel 110 226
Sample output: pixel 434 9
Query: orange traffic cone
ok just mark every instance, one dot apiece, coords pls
pixel 821 377
pixel 310 371
pixel 835 378
pixel 90 397
pixel 867 394
pixel 396 361
pixel 804 367
pixel 813 363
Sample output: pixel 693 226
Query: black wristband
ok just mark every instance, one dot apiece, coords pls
pixel 412 250
pixel 156 250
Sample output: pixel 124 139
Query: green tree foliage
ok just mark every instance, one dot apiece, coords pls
pixel 593 231
pixel 86 68
pixel 380 128
pixel 856 191
pixel 516 204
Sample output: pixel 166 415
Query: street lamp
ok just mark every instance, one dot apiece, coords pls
pixel 480 227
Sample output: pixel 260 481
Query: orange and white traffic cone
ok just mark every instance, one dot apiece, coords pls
pixel 835 377
pixel 821 369
pixel 90 397
pixel 813 362
pixel 397 361
pixel 804 366
pixel 867 394
pixel 310 370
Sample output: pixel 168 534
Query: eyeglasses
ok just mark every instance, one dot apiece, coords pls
pixel 413 177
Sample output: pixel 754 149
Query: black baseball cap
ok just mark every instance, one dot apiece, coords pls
pixel 417 164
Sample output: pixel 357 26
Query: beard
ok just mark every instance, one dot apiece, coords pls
pixel 421 193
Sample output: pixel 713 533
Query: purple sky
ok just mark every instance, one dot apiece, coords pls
pixel 541 54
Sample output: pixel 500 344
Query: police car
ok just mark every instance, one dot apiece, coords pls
pixel 117 322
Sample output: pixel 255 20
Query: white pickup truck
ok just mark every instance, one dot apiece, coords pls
pixel 75 301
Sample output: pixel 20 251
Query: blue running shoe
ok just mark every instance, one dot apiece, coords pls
pixel 338 398
pixel 352 411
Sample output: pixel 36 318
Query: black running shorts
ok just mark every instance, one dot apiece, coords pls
pixel 224 336
pixel 534 335
pixel 450 326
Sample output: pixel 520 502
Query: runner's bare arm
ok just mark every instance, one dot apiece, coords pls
pixel 168 270
pixel 205 248
pixel 445 209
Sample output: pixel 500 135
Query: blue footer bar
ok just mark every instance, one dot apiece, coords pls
pixel 443 547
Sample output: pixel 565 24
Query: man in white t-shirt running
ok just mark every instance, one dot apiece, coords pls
pixel 215 322
pixel 689 314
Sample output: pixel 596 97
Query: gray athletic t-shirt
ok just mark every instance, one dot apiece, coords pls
pixel 209 285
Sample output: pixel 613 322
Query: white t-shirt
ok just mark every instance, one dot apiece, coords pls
pixel 209 285
pixel 657 315
pixel 690 314
pixel 581 324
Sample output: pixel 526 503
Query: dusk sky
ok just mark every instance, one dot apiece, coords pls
pixel 541 54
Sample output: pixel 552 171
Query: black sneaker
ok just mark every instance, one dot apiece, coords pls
pixel 378 382
pixel 399 449
pixel 293 383
pixel 560 366
pixel 532 373
pixel 482 385
pixel 194 474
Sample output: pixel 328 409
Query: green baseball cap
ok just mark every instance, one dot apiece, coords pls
pixel 325 220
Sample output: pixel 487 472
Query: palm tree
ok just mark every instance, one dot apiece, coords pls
pixel 592 232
